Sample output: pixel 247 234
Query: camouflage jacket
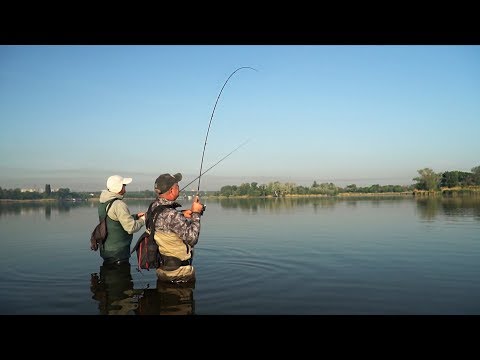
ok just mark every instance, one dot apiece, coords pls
pixel 171 220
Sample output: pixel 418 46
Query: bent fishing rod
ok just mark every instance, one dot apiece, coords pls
pixel 210 123
pixel 218 162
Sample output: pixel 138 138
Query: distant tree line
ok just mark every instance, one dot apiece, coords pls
pixel 63 194
pixel 427 180
pixel 432 181
pixel 278 189
pixel 60 194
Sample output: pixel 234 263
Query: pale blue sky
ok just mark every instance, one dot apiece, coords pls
pixel 73 115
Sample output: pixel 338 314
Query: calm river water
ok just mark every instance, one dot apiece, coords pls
pixel 258 256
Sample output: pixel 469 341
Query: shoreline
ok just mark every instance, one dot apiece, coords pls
pixel 416 193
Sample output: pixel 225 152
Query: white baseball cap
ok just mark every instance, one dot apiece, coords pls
pixel 115 183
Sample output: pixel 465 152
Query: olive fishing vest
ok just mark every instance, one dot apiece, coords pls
pixel 117 245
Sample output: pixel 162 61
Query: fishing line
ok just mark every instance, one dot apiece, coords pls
pixel 211 117
pixel 218 162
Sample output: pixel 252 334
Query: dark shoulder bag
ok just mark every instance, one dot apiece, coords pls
pixel 148 256
pixel 100 233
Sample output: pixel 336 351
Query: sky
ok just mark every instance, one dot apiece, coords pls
pixel 72 115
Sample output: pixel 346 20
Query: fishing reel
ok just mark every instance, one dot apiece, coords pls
pixel 201 211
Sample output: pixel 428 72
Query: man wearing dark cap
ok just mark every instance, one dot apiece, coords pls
pixel 176 232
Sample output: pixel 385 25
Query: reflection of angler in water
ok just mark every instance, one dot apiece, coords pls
pixel 167 299
pixel 113 289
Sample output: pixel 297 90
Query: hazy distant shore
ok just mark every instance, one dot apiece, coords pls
pixel 341 195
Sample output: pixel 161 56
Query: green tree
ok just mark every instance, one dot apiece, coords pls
pixel 449 179
pixel 476 175
pixel 457 178
pixel 63 193
pixel 428 180
pixel 243 189
pixel 228 190
pixel 351 188
pixel 274 188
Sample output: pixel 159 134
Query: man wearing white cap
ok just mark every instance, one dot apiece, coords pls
pixel 120 223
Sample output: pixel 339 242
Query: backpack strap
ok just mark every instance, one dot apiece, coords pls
pixel 110 202
pixel 148 215
pixel 151 220
pixel 156 212
pixel 149 224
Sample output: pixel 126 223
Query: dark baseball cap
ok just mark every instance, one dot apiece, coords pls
pixel 165 181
